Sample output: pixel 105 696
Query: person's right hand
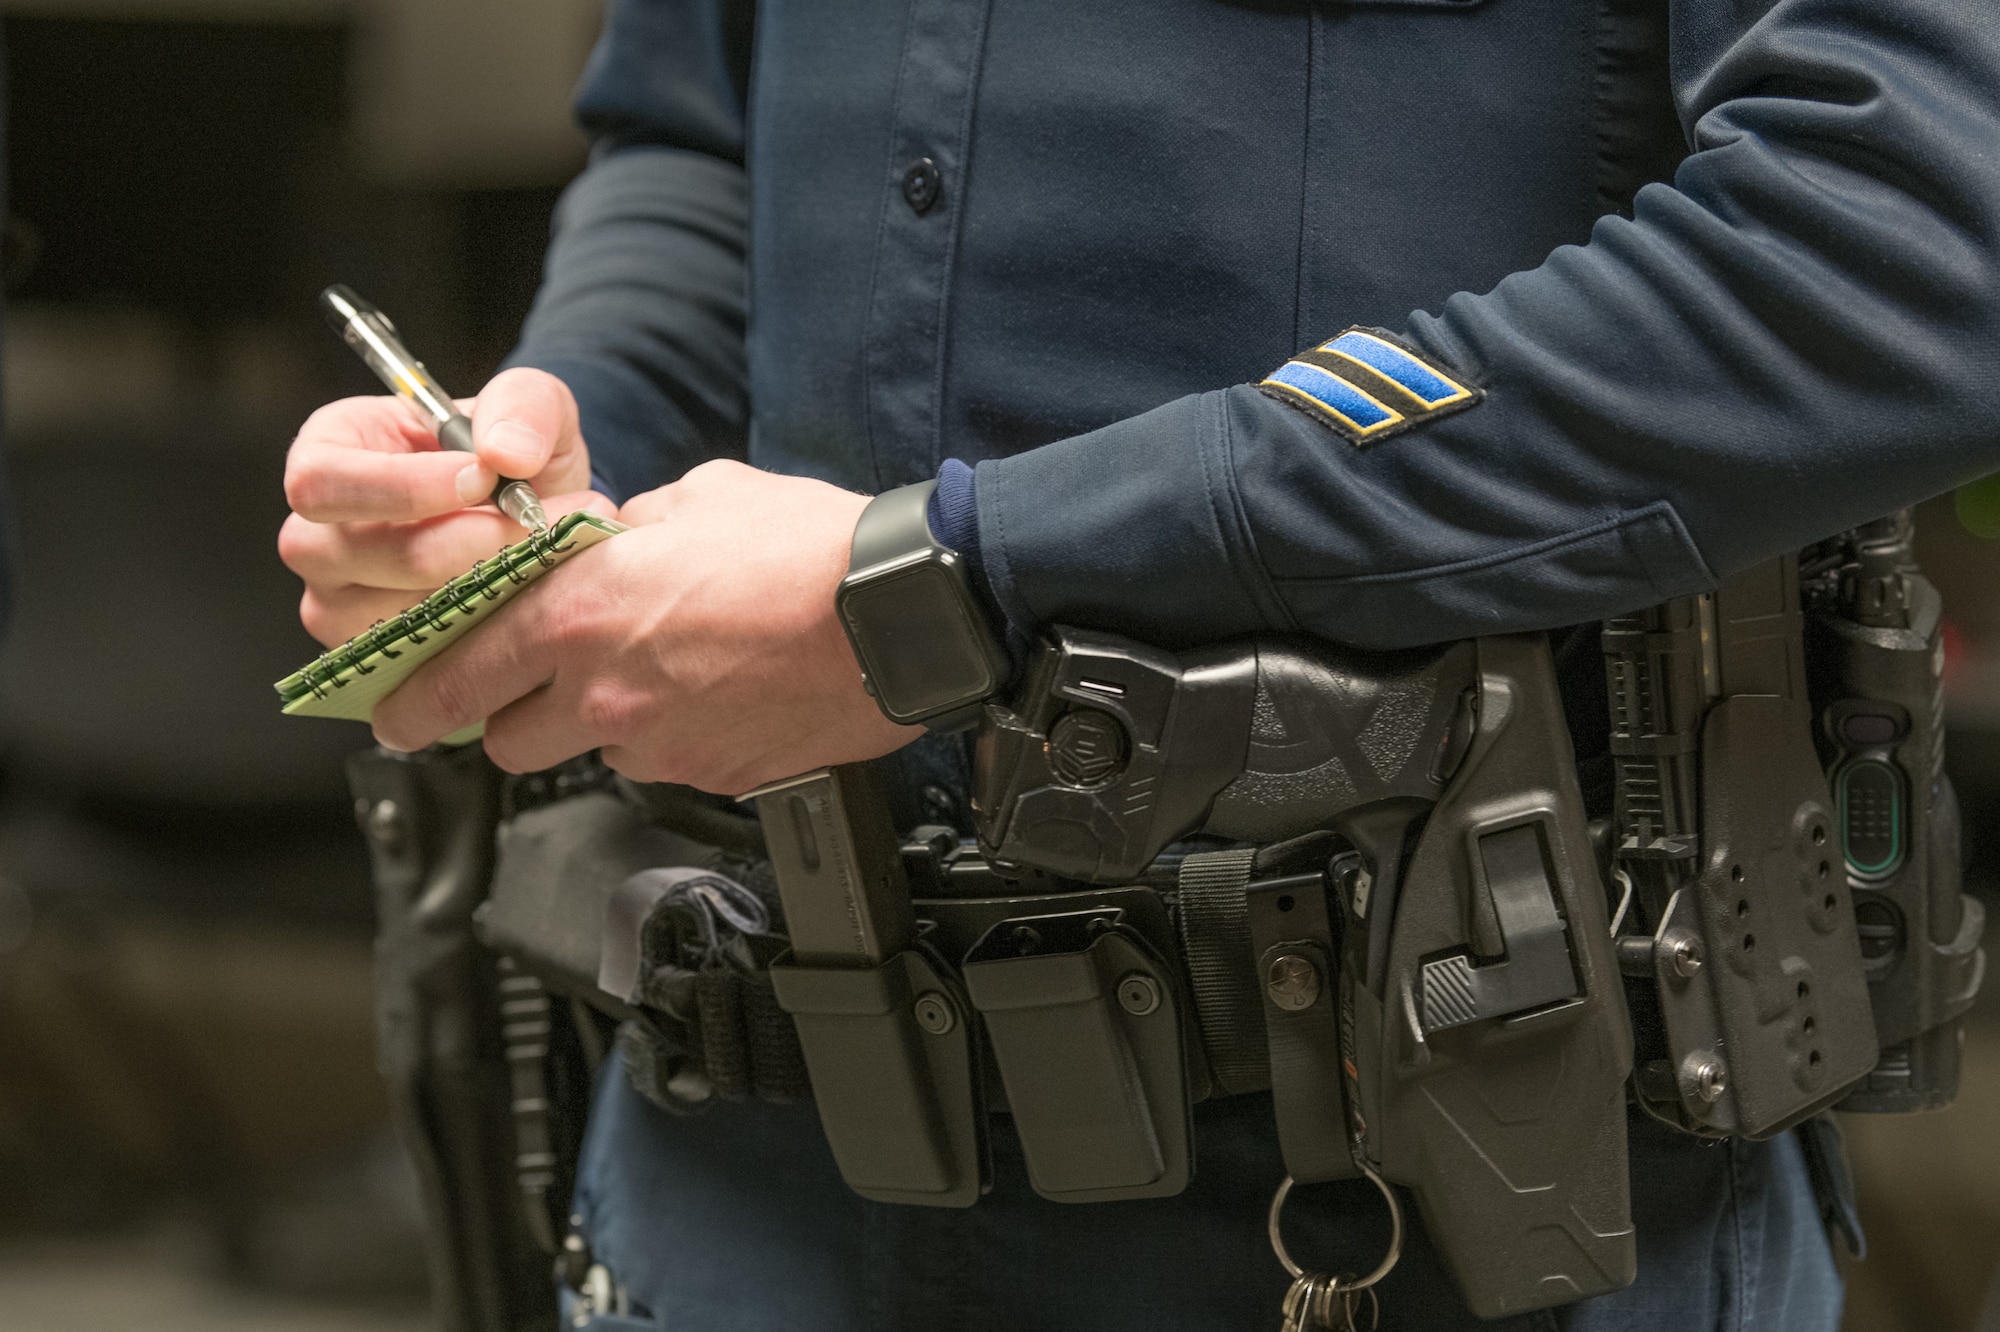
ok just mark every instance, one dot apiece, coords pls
pixel 380 514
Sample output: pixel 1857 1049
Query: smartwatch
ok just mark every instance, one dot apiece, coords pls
pixel 928 653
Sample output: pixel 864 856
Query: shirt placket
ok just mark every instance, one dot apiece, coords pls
pixel 924 192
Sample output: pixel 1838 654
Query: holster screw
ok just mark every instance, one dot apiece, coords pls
pixel 935 1013
pixel 1683 953
pixel 1292 982
pixel 1138 993
pixel 1709 1078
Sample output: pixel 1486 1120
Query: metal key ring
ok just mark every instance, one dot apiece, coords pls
pixel 1389 1259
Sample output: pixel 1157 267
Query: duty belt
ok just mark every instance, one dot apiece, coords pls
pixel 1364 882
pixel 571 903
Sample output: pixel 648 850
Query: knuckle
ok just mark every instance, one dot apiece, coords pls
pixel 572 625
pixel 504 752
pixel 324 416
pixel 632 764
pixel 715 472
pixel 650 507
pixel 295 542
pixel 698 482
pixel 340 421
pixel 303 486
pixel 318 621
pixel 449 699
pixel 678 764
pixel 391 736
pixel 608 710
pixel 528 391
pixel 429 556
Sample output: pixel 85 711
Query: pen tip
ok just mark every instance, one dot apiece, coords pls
pixel 522 505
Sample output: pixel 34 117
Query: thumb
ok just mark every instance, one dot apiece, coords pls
pixel 524 425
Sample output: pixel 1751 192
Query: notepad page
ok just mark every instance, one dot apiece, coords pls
pixel 349 680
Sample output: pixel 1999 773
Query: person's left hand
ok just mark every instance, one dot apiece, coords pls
pixel 701 647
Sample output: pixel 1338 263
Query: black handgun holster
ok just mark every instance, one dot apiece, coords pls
pixel 429 819
pixel 1493 1047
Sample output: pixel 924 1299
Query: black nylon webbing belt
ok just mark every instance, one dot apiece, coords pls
pixel 746 1043
pixel 1215 938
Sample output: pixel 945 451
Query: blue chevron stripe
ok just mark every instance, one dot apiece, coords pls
pixel 1330 393
pixel 1392 362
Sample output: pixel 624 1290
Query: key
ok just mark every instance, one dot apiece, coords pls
pixel 1298 1304
pixel 1349 1302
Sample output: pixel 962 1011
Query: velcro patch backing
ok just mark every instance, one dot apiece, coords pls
pixel 1367 385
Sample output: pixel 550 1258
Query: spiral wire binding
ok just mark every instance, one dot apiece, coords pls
pixel 461 594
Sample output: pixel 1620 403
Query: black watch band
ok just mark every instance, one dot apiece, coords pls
pixel 927 651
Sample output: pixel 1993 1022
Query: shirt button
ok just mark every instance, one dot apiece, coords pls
pixel 921 185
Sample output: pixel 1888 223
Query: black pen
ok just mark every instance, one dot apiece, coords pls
pixel 367 330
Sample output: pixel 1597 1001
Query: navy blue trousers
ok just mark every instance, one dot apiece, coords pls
pixel 738 1219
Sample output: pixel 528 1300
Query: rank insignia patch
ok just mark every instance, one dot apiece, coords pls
pixel 1367 385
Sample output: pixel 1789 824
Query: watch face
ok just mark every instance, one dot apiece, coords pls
pixel 917 641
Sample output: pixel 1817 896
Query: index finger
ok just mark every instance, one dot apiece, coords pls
pixel 380 423
pixel 372 458
pixel 329 483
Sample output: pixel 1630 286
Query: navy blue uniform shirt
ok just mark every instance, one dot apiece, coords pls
pixel 1715 277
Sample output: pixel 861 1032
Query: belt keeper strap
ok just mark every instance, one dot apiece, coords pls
pixel 747 1045
pixel 1215 939
pixel 725 1047
pixel 778 1066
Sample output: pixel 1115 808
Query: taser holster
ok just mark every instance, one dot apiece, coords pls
pixel 1491 1044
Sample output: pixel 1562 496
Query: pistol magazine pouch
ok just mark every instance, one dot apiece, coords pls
pixel 883 1022
pixel 891 1055
pixel 1085 1024
pixel 1493 1048
pixel 1081 1017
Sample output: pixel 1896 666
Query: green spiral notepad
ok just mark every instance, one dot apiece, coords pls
pixel 350 680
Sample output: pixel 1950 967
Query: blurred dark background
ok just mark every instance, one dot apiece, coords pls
pixel 191 1133
pixel 191 1130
